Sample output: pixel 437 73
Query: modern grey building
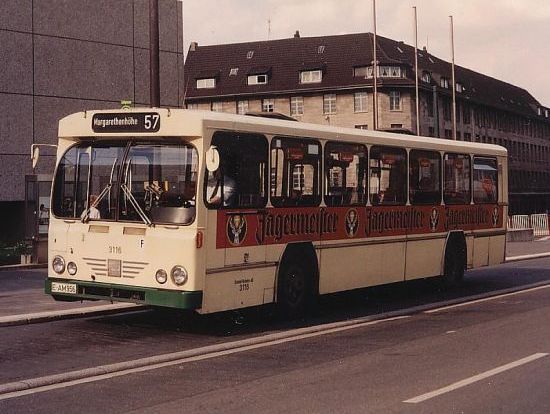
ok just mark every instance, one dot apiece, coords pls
pixel 64 56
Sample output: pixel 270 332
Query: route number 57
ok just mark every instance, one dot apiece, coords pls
pixel 152 122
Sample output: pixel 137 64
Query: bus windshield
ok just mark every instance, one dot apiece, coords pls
pixel 131 182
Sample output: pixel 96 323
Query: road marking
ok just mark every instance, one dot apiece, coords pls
pixel 487 299
pixel 48 383
pixel 475 378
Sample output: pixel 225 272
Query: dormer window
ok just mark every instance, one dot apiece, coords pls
pixel 426 77
pixel 321 49
pixel 206 83
pixel 546 113
pixel 257 79
pixel 387 72
pixel 250 54
pixel 233 71
pixel 361 71
pixel 444 83
pixel 311 76
pixel 459 87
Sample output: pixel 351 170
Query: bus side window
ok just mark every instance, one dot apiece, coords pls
pixel 295 172
pixel 240 181
pixel 485 180
pixel 345 169
pixel 457 179
pixel 388 176
pixel 424 177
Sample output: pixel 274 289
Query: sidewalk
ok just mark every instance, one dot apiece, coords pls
pixel 523 248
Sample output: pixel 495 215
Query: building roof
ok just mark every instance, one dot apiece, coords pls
pixel 336 56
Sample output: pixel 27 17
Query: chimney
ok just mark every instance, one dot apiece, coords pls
pixel 297 34
pixel 193 46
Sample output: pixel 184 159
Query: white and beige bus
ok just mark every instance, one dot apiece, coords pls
pixel 211 212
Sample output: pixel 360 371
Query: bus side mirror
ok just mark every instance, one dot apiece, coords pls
pixel 212 158
pixel 35 154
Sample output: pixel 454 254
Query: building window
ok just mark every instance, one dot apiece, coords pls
pixel 361 72
pixel 446 109
pixel 459 87
pixel 466 115
pixel 207 83
pixel 311 76
pixel 216 106
pixel 321 49
pixel 192 106
pixel 396 126
pixel 242 107
pixel 329 103
pixel 257 79
pixel 363 126
pixel 268 105
pixel 360 102
pixel 390 72
pixel 426 77
pixel 395 101
pixel 297 105
pixel 444 83
pixel 250 54
pixel 233 71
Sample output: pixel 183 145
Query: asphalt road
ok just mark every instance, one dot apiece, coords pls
pixel 370 367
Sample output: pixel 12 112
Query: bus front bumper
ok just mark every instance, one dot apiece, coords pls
pixel 74 290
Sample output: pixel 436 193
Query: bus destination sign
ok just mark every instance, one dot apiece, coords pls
pixel 126 122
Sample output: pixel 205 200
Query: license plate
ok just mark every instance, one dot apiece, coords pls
pixel 64 288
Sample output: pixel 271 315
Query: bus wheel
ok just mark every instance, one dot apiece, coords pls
pixel 293 291
pixel 453 272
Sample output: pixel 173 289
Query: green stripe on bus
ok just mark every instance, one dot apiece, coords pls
pixel 153 297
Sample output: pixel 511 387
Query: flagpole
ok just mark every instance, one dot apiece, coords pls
pixel 453 76
pixel 416 71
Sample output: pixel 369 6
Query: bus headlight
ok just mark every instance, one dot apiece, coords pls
pixel 58 264
pixel 71 268
pixel 179 275
pixel 161 276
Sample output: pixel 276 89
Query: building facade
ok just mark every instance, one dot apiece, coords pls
pixel 329 80
pixel 64 56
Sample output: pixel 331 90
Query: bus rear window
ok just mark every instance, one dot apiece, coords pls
pixel 485 180
pixel 457 179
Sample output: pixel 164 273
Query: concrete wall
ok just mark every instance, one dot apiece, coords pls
pixel 64 56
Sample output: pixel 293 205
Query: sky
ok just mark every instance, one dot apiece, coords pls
pixel 505 39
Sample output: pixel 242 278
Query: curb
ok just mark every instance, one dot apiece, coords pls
pixel 174 357
pixel 526 257
pixel 39 317
pixel 23 266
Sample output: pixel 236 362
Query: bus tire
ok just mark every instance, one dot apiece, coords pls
pixel 293 291
pixel 455 261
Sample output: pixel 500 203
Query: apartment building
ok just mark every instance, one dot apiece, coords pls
pixel 329 80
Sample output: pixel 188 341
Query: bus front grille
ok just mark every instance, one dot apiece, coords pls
pixel 115 293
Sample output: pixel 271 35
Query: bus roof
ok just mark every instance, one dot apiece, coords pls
pixel 80 125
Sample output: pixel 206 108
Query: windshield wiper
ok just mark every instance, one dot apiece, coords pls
pixel 135 204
